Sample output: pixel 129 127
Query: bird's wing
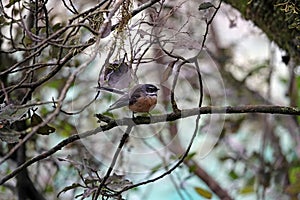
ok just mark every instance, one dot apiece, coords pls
pixel 123 101
pixel 133 98
pixel 135 93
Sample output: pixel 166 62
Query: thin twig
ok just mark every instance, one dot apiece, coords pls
pixel 114 160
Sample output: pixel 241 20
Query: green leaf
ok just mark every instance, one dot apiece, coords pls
pixel 248 189
pixel 27 41
pixel 205 5
pixel 190 156
pixel 233 175
pixel 192 168
pixel 156 168
pixel 45 130
pixel 294 175
pixel 11 2
pixel 293 25
pixel 203 192
pixel 56 27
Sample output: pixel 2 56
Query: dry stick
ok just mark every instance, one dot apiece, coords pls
pixel 210 182
pixel 217 189
pixel 48 119
pixel 185 154
pixel 114 160
pixel 173 102
pixel 38 48
pixel 181 160
pixel 65 88
pixel 61 98
pixel 266 109
pixel 51 116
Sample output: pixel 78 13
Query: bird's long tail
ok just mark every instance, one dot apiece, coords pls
pixel 110 90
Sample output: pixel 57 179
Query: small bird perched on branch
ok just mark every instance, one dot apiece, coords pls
pixel 141 98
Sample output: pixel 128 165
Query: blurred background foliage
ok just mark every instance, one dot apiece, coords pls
pixel 250 57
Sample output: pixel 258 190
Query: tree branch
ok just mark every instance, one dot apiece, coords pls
pixel 113 162
pixel 266 109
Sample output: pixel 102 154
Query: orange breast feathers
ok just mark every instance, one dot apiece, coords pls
pixel 143 104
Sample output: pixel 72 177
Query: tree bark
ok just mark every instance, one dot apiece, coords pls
pixel 278 19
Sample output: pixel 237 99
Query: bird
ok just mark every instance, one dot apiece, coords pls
pixel 140 99
pixel 117 74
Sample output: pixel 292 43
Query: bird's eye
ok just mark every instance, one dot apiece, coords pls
pixel 151 89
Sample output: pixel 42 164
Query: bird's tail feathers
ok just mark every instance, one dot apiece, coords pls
pixel 113 90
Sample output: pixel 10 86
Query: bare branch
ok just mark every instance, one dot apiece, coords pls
pixel 113 162
pixel 266 109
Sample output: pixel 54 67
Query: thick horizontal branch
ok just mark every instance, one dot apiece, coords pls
pixel 111 123
pixel 267 109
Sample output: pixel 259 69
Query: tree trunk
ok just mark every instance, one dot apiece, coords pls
pixel 280 20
